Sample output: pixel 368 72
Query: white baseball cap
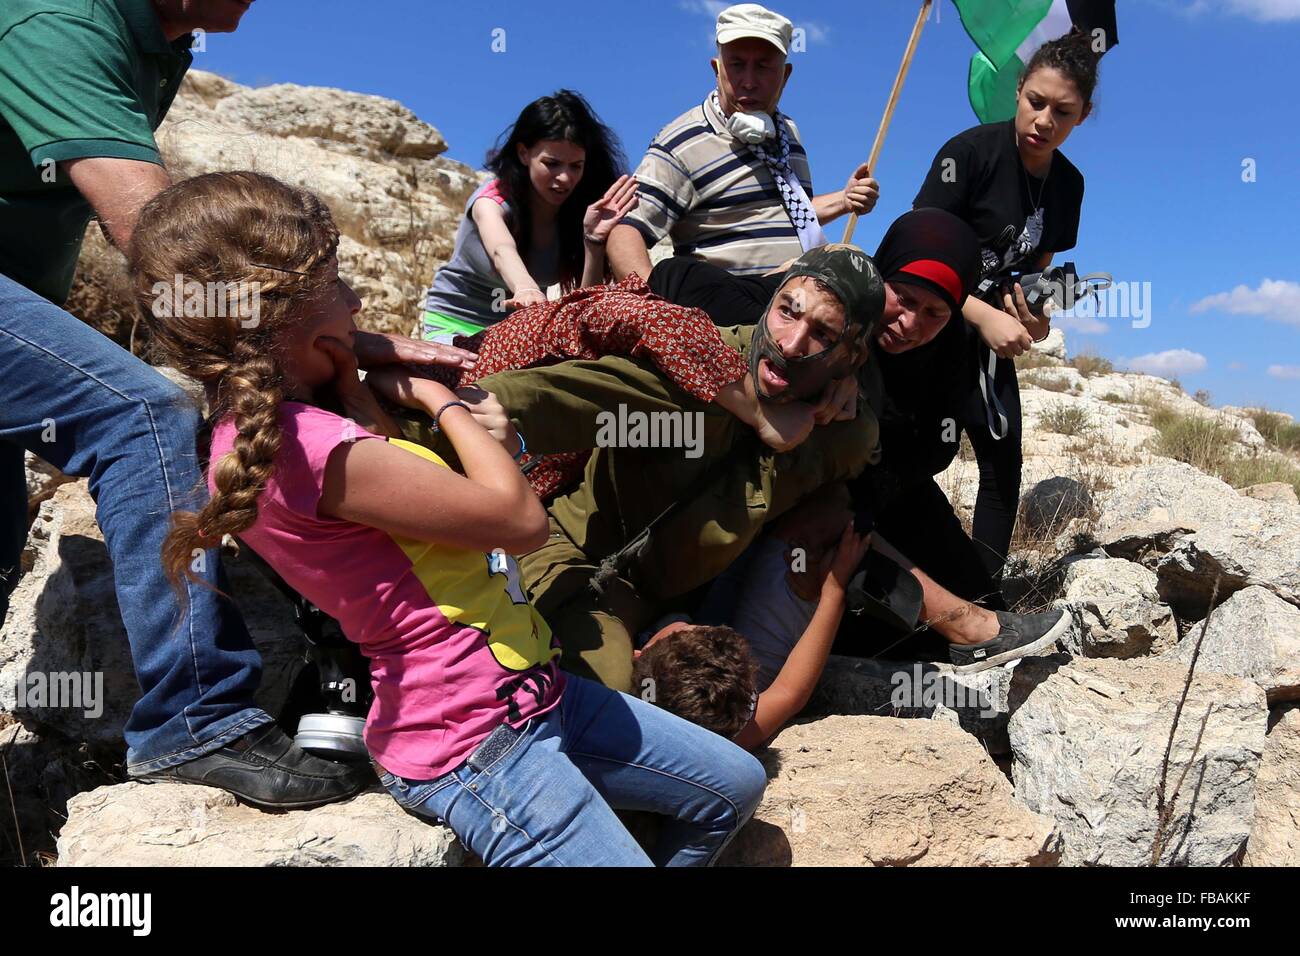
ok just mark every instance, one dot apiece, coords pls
pixel 752 20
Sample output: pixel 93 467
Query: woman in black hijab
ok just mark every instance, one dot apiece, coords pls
pixel 920 376
pixel 930 260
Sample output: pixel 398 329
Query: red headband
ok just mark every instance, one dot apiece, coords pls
pixel 937 272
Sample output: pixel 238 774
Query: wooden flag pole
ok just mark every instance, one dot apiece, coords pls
pixel 889 107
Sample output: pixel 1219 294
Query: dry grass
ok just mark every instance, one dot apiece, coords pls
pixel 1278 430
pixel 1090 364
pixel 1113 398
pixel 1069 420
pixel 1259 468
pixel 1209 444
pixel 1203 443
pixel 1034 578
pixel 1032 359
pixel 1048 383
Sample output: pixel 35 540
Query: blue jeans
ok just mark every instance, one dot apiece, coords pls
pixel 74 398
pixel 549 800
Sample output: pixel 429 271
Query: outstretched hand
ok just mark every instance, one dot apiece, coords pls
pixel 523 298
pixel 605 213
pixel 377 349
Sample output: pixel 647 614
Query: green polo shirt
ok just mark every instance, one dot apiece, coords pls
pixel 78 78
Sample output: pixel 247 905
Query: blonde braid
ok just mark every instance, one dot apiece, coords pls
pixel 242 229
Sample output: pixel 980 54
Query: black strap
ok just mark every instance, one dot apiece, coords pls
pixel 613 565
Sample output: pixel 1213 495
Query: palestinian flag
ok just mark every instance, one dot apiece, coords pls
pixel 1008 32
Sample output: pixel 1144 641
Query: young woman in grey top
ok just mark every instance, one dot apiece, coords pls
pixel 566 165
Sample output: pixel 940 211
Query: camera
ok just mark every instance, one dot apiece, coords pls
pixel 1056 289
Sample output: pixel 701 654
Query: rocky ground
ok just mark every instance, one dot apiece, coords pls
pixel 1110 751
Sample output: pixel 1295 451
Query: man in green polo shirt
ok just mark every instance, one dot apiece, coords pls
pixel 83 85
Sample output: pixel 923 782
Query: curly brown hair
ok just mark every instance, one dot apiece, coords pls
pixel 702 674
pixel 1071 55
pixel 230 233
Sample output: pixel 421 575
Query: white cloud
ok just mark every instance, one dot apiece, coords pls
pixel 1236 366
pixel 1083 324
pixel 1266 10
pixel 1287 372
pixel 707 8
pixel 1276 299
pixel 1263 11
pixel 813 31
pixel 1171 362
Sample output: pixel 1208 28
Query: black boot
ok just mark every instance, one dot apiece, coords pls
pixel 267 769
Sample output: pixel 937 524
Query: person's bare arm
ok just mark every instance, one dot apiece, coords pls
pixel 116 189
pixel 387 487
pixel 627 253
pixel 502 249
pixel 789 693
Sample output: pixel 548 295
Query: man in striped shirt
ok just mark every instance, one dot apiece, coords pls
pixel 729 179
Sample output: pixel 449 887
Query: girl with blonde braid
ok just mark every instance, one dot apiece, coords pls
pixel 472 722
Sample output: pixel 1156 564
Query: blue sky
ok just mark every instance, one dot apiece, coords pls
pixel 1196 98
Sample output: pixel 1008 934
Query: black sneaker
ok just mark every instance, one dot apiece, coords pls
pixel 267 769
pixel 1020 636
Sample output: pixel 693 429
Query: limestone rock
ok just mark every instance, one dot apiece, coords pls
pixel 877 791
pixel 1191 528
pixel 43 479
pixel 171 824
pixel 370 125
pixel 1089 739
pixel 977 703
pixel 1275 837
pixel 1053 346
pixel 397 201
pixel 1276 492
pixel 63 620
pixel 1117 609
pixel 1254 634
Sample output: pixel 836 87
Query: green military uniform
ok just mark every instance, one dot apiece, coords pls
pixel 729 492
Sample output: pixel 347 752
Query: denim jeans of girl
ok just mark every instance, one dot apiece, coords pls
pixel 549 799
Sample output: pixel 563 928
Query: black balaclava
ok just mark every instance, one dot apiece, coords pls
pixel 854 279
pixel 933 249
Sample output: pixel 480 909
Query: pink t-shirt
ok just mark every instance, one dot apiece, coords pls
pixel 454 646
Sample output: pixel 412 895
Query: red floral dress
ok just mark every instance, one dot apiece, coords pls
pixel 621 319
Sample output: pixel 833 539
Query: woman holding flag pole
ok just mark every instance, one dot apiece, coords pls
pixel 1009 181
